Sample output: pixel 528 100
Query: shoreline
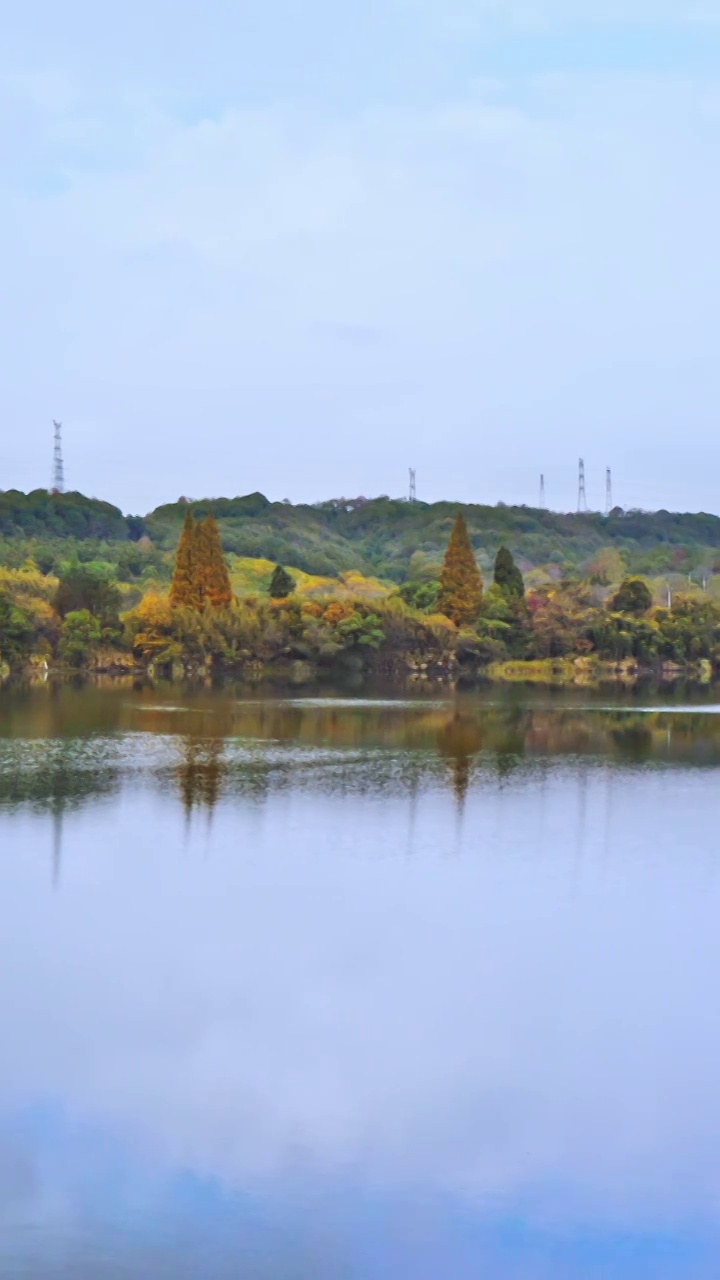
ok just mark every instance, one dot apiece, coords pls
pixel 567 672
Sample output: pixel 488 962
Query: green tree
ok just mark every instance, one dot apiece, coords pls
pixel 507 576
pixel 80 634
pixel 361 630
pixel 423 568
pixel 88 587
pixel 460 581
pixel 606 567
pixel 505 619
pixel 633 596
pixel 16 631
pixel 281 584
pixel 44 557
pixel 420 595
pixel 184 590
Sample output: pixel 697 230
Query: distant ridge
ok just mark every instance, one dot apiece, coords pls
pixel 378 536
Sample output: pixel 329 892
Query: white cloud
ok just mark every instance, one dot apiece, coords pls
pixel 533 255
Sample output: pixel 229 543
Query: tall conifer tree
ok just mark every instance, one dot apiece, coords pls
pixel 201 575
pixel 212 577
pixel 507 576
pixel 184 590
pixel 460 581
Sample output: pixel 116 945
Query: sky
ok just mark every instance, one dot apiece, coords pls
pixel 258 245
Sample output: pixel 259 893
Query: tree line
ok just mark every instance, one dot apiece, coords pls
pixel 445 619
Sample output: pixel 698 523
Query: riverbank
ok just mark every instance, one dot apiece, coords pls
pixel 594 671
pixel 406 671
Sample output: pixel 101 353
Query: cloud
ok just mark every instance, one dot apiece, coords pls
pixel 537 251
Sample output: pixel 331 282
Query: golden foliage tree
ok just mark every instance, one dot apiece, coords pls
pixel 184 584
pixel 460 581
pixel 201 575
pixel 150 628
pixel 212 577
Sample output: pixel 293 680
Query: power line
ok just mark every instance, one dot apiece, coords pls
pixel 582 499
pixel 58 480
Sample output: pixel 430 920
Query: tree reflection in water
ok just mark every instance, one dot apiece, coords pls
pixel 458 741
pixel 62 748
pixel 200 773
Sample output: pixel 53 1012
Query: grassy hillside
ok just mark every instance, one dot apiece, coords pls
pixel 382 538
pixel 252 576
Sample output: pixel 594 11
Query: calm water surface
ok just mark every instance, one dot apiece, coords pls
pixel 302 989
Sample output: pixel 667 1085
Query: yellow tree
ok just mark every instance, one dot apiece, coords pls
pixel 150 624
pixel 211 572
pixel 460 581
pixel 184 584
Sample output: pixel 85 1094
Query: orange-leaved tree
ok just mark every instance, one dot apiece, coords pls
pixel 201 575
pixel 212 577
pixel 184 589
pixel 460 581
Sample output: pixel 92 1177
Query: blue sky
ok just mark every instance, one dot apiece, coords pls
pixel 300 248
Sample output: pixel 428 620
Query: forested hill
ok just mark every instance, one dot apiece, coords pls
pixel 379 536
pixel 69 515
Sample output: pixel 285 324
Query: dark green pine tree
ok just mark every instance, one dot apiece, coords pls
pixel 281 584
pixel 507 576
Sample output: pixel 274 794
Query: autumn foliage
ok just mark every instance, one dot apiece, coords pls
pixel 460 581
pixel 201 576
pixel 101 615
pixel 184 587
pixel 212 577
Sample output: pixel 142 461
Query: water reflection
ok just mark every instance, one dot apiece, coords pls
pixel 57 842
pixel 58 775
pixel 66 747
pixel 634 742
pixel 458 740
pixel 555 724
pixel 200 773
pixel 312 1054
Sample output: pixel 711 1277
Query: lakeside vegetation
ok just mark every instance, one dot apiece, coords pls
pixel 391 587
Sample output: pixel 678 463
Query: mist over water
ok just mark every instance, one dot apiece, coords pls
pixel 341 987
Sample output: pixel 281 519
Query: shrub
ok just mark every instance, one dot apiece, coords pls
pixel 79 636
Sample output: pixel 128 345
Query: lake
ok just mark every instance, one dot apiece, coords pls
pixel 306 988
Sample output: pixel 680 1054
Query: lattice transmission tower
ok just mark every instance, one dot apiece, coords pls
pixel 58 479
pixel 608 491
pixel 412 496
pixel 542 492
pixel 582 499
